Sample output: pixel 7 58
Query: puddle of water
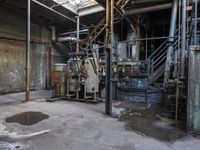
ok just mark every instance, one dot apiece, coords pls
pixel 27 118
pixel 149 122
pixel 147 127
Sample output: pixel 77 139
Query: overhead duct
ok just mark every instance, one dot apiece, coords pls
pixel 147 1
pixel 68 38
pixel 148 9
pixel 75 32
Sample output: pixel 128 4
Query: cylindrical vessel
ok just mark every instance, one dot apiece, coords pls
pixel 92 82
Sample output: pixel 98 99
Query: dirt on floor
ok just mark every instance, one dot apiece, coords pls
pixel 151 120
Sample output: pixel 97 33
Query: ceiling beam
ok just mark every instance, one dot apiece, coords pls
pixel 148 9
pixel 49 8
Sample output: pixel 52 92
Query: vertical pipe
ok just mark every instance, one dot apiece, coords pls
pixel 171 40
pixel 78 34
pixel 27 68
pixel 137 41
pixel 49 65
pixel 173 21
pixel 146 45
pixel 195 22
pixel 109 47
pixel 183 39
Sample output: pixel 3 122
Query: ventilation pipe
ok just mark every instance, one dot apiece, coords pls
pixel 171 41
pixel 148 9
pixel 68 38
pixel 53 33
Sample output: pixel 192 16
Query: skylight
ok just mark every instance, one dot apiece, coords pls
pixel 75 5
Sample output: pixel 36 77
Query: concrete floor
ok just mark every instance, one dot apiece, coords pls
pixel 77 126
pixel 19 97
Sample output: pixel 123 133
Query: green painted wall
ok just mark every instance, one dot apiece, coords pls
pixel 12 53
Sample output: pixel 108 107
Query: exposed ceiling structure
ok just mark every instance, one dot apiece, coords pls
pixel 80 7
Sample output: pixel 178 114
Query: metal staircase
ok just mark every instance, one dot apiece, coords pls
pixel 157 61
pixel 100 27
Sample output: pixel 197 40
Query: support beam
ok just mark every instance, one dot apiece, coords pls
pixel 28 41
pixel 49 8
pixel 109 47
pixel 148 9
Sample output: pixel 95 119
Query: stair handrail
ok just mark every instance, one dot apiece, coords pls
pixel 158 49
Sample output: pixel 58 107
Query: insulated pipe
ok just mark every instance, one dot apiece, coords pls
pixel 68 38
pixel 148 9
pixel 171 40
pixel 27 68
pixel 173 20
pixel 75 32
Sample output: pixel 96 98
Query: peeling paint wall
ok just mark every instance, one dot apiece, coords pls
pixel 12 53
pixel 11 65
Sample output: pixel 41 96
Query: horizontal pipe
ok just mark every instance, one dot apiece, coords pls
pixel 153 38
pixel 148 9
pixel 68 38
pixel 147 1
pixel 74 32
pixel 39 3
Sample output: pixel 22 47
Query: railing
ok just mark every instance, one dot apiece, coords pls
pixel 158 58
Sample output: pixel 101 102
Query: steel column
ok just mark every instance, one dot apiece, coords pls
pixel 109 47
pixel 195 22
pixel 49 65
pixel 77 33
pixel 183 39
pixel 27 67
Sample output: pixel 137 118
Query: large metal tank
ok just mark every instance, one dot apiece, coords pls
pixel 131 44
pixel 122 51
pixel 193 105
pixel 92 82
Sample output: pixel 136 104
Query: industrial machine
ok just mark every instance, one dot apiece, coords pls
pixel 58 80
pixel 76 80
pixel 131 76
pixel 132 80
